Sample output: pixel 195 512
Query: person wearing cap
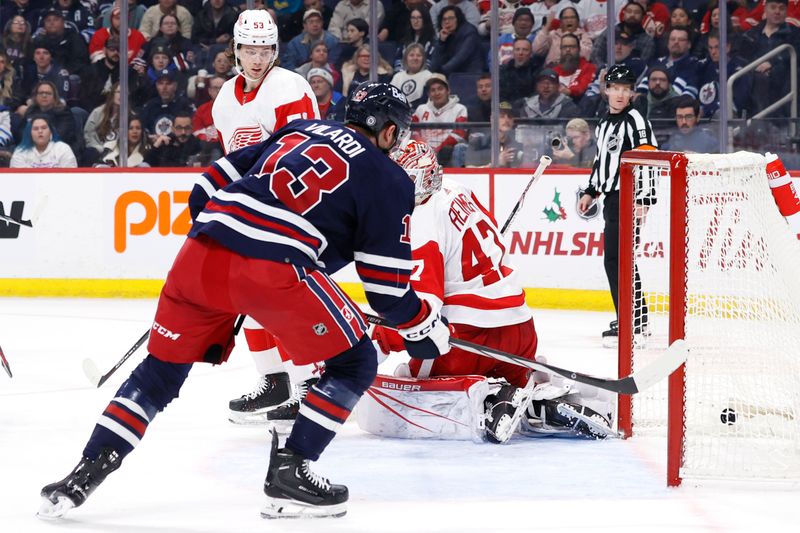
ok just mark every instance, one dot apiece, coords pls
pixel 518 76
pixel 661 95
pixel 347 10
pixel 214 24
pixel 292 25
pixel 68 48
pixel 625 128
pixel 522 27
pixel 440 107
pixel 46 68
pixel 76 17
pixel 411 79
pixel 98 78
pixel 547 43
pixel 152 18
pixel 321 83
pixel 180 48
pixel 477 152
pixel 632 17
pixel 136 41
pixel 299 48
pixel 457 45
pixel 771 79
pixel 158 113
pixel 548 103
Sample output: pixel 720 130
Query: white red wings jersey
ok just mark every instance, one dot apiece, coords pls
pixel 243 119
pixel 461 261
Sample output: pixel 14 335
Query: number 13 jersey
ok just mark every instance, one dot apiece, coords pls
pixel 460 259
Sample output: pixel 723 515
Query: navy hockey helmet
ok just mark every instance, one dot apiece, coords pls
pixel 620 74
pixel 375 105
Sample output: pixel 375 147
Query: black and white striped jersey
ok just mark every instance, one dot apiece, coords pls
pixel 616 134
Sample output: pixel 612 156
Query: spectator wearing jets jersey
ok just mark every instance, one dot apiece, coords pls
pixel 441 107
pixel 413 76
pixel 482 298
pixel 684 69
pixel 625 128
pixel 262 98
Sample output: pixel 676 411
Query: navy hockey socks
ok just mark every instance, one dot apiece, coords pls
pixel 150 387
pixel 328 403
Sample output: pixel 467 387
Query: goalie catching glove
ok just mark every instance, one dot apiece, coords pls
pixel 427 335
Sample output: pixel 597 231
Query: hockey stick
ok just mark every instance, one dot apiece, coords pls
pixel 5 364
pixel 93 373
pixel 659 369
pixel 37 211
pixel 544 162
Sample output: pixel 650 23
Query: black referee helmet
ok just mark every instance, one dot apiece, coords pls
pixel 620 74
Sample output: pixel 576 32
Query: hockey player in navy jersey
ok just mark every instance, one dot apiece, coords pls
pixel 282 215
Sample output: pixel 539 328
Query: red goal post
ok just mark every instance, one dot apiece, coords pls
pixel 705 256
pixel 676 163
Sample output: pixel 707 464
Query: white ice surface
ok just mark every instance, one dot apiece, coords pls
pixel 196 472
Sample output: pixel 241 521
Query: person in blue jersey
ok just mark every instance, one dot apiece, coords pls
pixel 272 221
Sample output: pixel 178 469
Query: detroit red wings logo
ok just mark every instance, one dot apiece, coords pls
pixel 245 137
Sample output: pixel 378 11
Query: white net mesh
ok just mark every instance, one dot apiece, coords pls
pixel 742 324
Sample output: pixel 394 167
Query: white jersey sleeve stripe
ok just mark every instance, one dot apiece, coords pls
pixel 383 261
pixel 383 289
pixel 230 171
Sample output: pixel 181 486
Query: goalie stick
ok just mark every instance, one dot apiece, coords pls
pixel 544 162
pixel 93 373
pixel 659 369
pixel 5 364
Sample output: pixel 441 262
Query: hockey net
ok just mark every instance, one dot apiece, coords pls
pixel 711 260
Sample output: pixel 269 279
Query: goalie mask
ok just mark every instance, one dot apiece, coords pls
pixel 255 27
pixel 419 161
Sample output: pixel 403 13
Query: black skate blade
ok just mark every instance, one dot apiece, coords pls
pixel 277 509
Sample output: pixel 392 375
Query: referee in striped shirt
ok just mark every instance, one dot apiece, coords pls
pixel 624 128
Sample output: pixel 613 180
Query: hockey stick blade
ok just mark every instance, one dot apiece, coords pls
pixel 12 220
pixel 91 371
pixel 37 211
pixel 5 364
pixel 636 382
pixel 544 162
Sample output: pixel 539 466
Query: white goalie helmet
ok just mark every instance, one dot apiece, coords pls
pixel 420 163
pixel 255 27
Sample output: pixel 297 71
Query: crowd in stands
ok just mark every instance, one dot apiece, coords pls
pixel 60 69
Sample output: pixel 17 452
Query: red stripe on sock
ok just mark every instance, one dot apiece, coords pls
pixel 326 406
pixel 128 418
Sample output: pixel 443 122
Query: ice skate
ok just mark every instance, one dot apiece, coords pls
pixel 294 491
pixel 271 390
pixel 611 335
pixel 504 411
pixel 559 418
pixel 283 416
pixel 72 491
